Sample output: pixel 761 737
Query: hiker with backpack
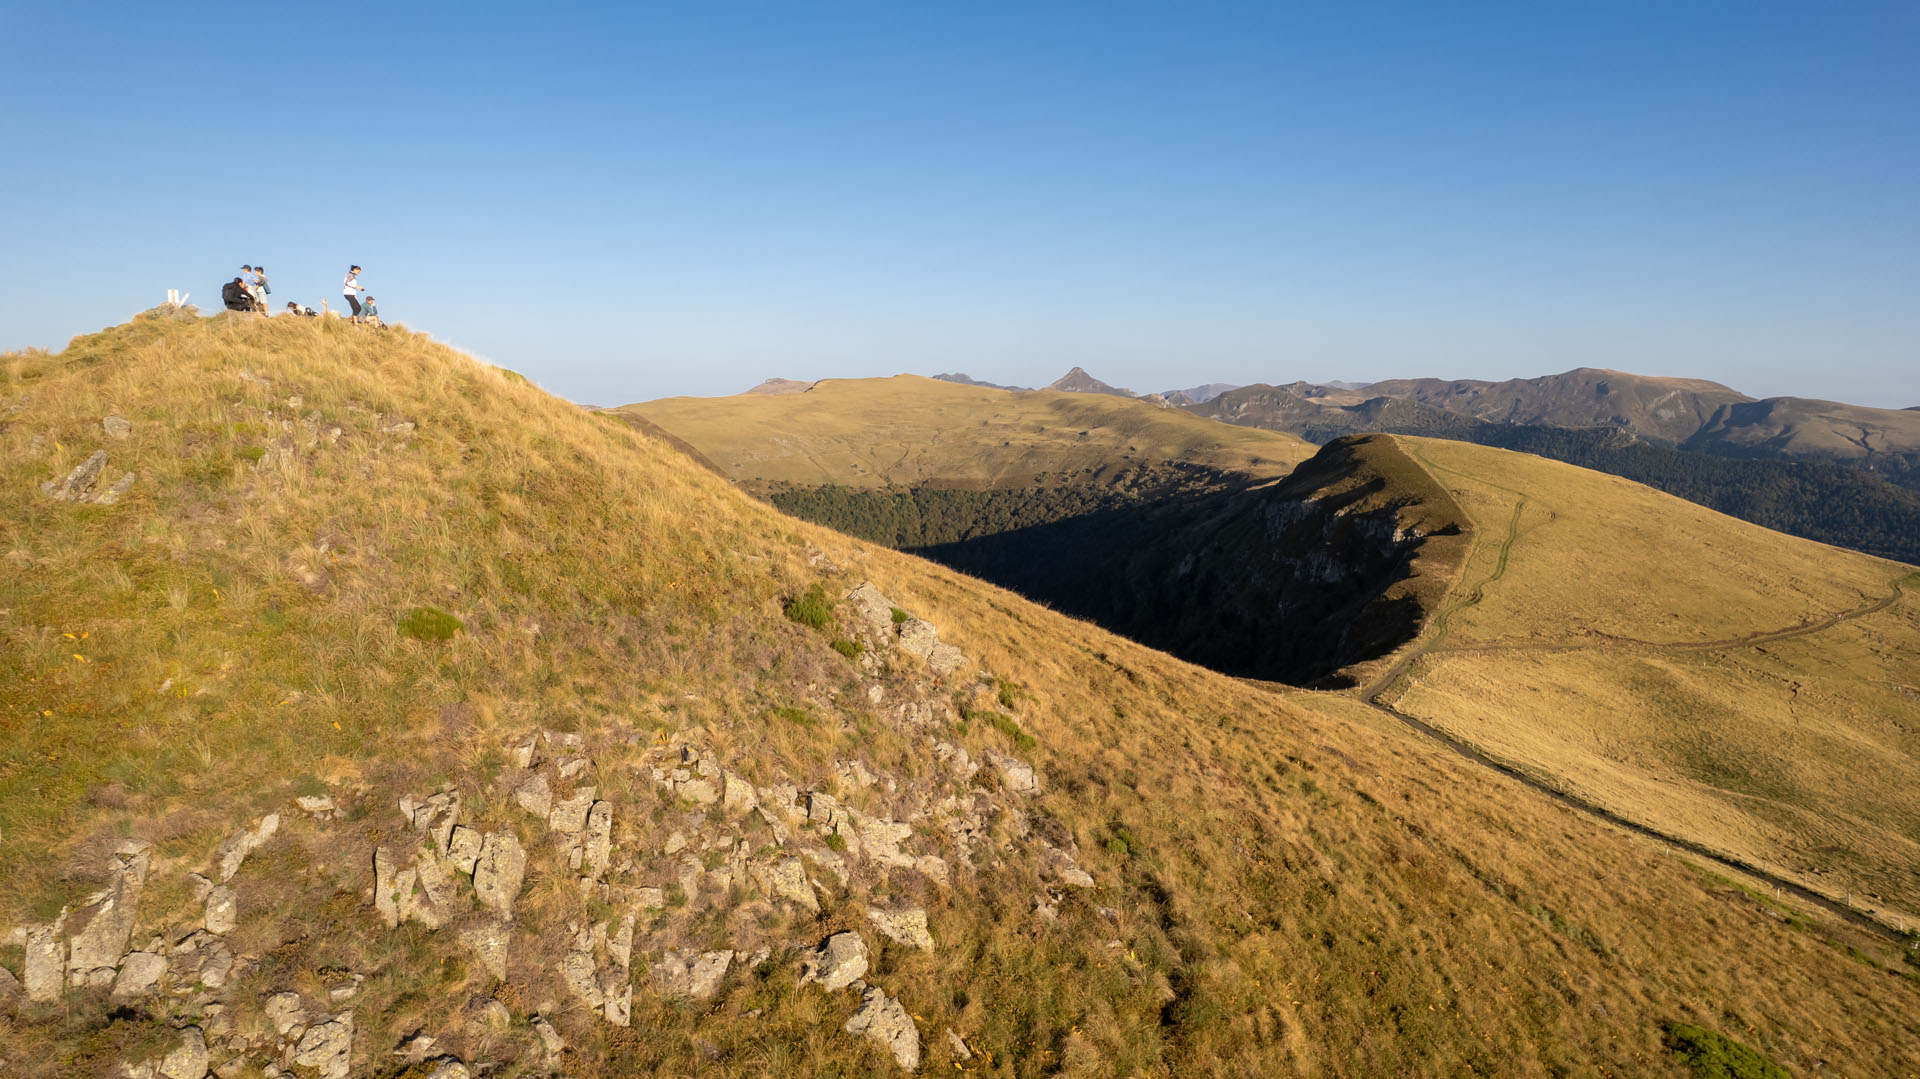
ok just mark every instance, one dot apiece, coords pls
pixel 350 288
pixel 235 295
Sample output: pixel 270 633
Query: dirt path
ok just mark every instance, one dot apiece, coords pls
pixel 1375 693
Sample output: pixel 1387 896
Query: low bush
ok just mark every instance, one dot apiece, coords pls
pixel 812 609
pixel 430 624
pixel 1716 1056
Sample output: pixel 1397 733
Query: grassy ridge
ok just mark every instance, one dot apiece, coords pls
pixel 1282 889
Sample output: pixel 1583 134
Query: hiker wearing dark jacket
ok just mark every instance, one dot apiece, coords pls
pixel 235 295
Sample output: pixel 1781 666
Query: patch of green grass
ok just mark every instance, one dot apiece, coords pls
pixel 795 715
pixel 899 616
pixel 430 624
pixel 1004 723
pixel 849 649
pixel 812 608
pixel 1716 1056
pixel 836 842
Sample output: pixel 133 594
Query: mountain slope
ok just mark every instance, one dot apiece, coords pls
pixel 907 430
pixel 1274 885
pixel 1716 680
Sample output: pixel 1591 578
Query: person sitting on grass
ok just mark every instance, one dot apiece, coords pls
pixel 299 309
pixel 369 314
pixel 236 296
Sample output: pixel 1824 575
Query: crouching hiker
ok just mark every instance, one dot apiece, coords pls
pixel 299 309
pixel 370 314
pixel 236 295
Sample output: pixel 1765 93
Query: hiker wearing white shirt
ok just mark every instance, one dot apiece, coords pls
pixel 349 287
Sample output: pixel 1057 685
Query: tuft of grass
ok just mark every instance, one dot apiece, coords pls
pixel 849 649
pixel 812 608
pixel 836 842
pixel 899 616
pixel 430 624
pixel 1715 1056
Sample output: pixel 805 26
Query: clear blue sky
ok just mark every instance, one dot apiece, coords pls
pixel 630 201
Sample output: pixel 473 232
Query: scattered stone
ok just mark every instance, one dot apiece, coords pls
pixel 392 888
pixel 690 975
pixel 852 776
pixel 489 943
pixel 908 927
pixel 199 959
pixel 958 1046
pixel 549 1038
pixel 316 805
pixel 787 879
pixel 285 1012
pixel 328 1047
pixel 231 853
pixel 840 961
pixel 945 659
pixel 1016 775
pixel 96 950
pixel 201 886
pixel 886 1021
pixel 79 483
pixel 917 637
pixel 880 839
pixel 873 608
pixel 525 753
pixel 493 1013
pixel 117 427
pixel 650 898
pixel 1060 866
pixel 535 796
pixel 189 1059
pixel 437 817
pixel 569 817
pixel 463 849
pixel 599 842
pixel 676 843
pixel 738 797
pixel 10 988
pixel 44 971
pixel 223 910
pixel 701 791
pixel 956 760
pixel 139 973
pixel 500 871
pixel 448 1068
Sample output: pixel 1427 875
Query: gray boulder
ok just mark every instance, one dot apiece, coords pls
pixel 117 427
pixel 328 1047
pixel 139 973
pixel 689 975
pixel 223 910
pixel 886 1021
pixel 229 856
pixel 917 637
pixel 840 961
pixel 44 971
pixel 873 608
pixel 189 1059
pixel 97 949
pixel 79 484
pixel 908 927
pixel 498 874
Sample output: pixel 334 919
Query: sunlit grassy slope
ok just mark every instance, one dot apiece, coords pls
pixel 907 430
pixel 1283 886
pixel 1738 687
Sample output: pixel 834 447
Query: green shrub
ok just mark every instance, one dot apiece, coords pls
pixel 1012 693
pixel 899 615
pixel 430 624
pixel 836 841
pixel 812 609
pixel 849 649
pixel 795 715
pixel 1004 723
pixel 1120 841
pixel 1716 1056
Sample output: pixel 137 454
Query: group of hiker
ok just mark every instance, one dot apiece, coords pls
pixel 249 292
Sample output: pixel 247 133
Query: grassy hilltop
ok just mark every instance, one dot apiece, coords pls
pixel 358 567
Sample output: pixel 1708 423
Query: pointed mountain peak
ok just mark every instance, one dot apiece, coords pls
pixel 1078 381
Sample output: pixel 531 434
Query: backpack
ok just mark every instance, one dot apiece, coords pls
pixel 265 289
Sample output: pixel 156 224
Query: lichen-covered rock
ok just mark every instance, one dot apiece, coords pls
pixel 223 910
pixel 598 846
pixel 95 951
pixel 840 961
pixel 200 958
pixel 229 856
pixel 688 975
pixel 489 943
pixel 569 815
pixel 787 879
pixel 738 797
pixel 447 1068
pixel 44 971
pixel 139 973
pixel 872 608
pixel 917 637
pixel 945 659
pixel 1015 774
pixel 79 483
pixel 328 1047
pixel 498 874
pixel 188 1060
pixel 116 427
pixel 285 1011
pixel 886 1021
pixel 535 796
pixel 463 849
pixel 908 927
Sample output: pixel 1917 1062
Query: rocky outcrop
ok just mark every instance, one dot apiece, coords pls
pixel 499 872
pixel 913 636
pixel 95 951
pixel 232 853
pixel 188 1060
pixel 907 927
pixel 840 961
pixel 685 974
pixel 327 1047
pixel 887 1022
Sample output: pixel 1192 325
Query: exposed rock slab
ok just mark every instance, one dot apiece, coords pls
pixel 885 1020
pixel 907 927
pixel 840 961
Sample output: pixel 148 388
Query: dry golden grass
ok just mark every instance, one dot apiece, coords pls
pixel 908 430
pixel 1303 893
pixel 1713 679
